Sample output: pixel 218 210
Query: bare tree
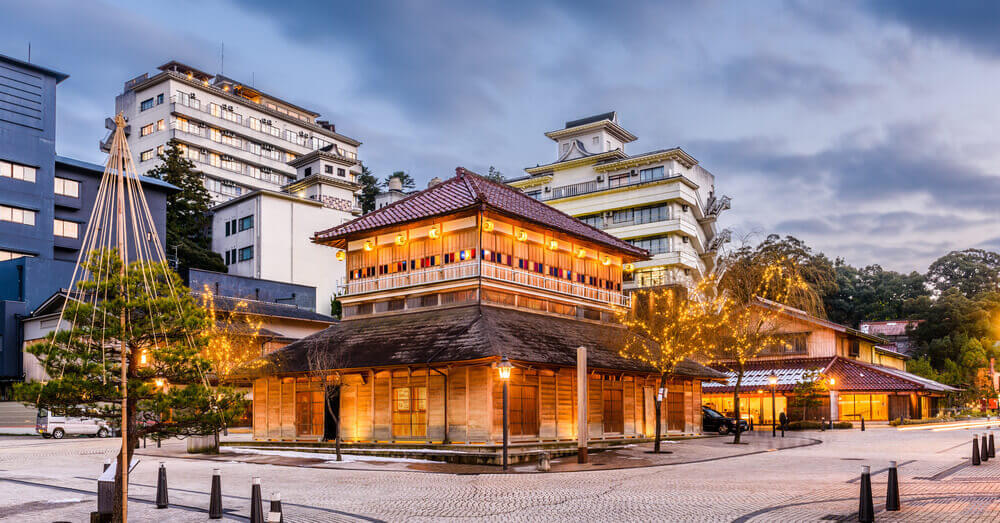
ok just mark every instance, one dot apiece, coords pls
pixel 327 362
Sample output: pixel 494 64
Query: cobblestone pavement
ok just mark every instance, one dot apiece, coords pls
pixel 46 480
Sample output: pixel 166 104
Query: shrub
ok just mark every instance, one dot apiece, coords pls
pixel 815 425
pixel 843 425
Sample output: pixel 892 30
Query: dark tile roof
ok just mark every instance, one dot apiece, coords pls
pixel 591 119
pixel 265 308
pixel 468 333
pixel 468 190
pixel 849 376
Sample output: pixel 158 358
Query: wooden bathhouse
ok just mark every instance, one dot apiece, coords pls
pixel 444 284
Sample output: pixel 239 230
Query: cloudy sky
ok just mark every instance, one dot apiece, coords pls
pixel 866 129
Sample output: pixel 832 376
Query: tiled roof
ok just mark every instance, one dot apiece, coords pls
pixel 849 376
pixel 468 190
pixel 266 308
pixel 591 119
pixel 468 333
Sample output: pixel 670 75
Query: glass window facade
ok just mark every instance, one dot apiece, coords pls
pixel 756 407
pixel 853 407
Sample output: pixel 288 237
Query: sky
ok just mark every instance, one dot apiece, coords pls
pixel 867 129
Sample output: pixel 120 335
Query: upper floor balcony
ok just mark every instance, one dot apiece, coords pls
pixel 488 270
pixel 607 182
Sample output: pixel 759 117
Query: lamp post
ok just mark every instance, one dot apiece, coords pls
pixel 773 380
pixel 503 369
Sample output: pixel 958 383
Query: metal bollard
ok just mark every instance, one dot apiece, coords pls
pixel 975 449
pixel 866 509
pixel 984 452
pixel 862 423
pixel 275 509
pixel 256 503
pixel 992 449
pixel 215 499
pixel 822 424
pixel 892 489
pixel 750 427
pixel 544 462
pixel 162 500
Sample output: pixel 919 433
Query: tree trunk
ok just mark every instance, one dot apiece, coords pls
pixel 658 401
pixel 736 403
pixel 339 458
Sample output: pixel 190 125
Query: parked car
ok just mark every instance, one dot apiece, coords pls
pixel 51 426
pixel 712 421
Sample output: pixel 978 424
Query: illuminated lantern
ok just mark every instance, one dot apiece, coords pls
pixel 606 260
pixel 487 226
pixel 522 235
pixel 369 245
pixel 400 239
pixel 581 253
pixel 142 358
pixel 434 233
pixel 463 255
pixel 629 267
pixel 553 245
pixel 341 256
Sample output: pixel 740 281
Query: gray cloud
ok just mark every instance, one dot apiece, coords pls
pixel 769 77
pixel 972 24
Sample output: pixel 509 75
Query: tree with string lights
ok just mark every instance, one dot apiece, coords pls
pixel 668 324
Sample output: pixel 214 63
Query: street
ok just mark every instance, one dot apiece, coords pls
pixel 813 477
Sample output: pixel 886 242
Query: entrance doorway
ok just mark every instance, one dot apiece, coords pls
pixel 331 412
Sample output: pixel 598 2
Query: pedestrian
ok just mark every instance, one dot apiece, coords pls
pixel 783 420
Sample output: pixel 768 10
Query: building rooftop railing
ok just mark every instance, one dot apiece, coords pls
pixel 608 182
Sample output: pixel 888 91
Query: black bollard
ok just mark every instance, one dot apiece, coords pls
pixel 866 509
pixel 107 463
pixel 256 506
pixel 991 448
pixel 975 449
pixel 984 452
pixel 161 487
pixel 822 424
pixel 215 499
pixel 862 423
pixel 892 489
pixel 750 428
pixel 276 507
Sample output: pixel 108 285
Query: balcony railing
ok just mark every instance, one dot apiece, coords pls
pixel 577 189
pixel 489 270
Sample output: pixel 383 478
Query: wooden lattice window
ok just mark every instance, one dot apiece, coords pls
pixel 409 411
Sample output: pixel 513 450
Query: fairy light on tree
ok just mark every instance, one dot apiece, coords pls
pixel 667 325
pixel 234 347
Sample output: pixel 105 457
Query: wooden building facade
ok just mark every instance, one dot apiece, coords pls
pixel 441 286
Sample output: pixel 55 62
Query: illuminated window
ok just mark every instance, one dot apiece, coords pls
pixel 160 125
pixel 147 155
pixel 66 229
pixel 146 130
pixel 409 411
pixel 66 187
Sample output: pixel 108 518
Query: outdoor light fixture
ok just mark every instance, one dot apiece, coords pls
pixel 341 255
pixel 503 369
pixel 369 245
pixel 522 235
pixel 629 267
pixel 158 382
pixel 401 239
pixel 581 253
pixel 487 226
pixel 773 380
pixel 434 233
pixel 606 261
pixel 553 245
pixel 832 381
pixel 142 358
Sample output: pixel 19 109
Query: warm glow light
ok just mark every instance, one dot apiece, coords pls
pixel 341 255
pixel 522 236
pixel 581 253
pixel 400 239
pixel 486 252
pixel 772 379
pixel 369 245
pixel 142 358
pixel 629 267
pixel 158 382
pixel 487 226
pixel 503 369
pixel 832 381
pixel 434 233
pixel 553 245
pixel 606 260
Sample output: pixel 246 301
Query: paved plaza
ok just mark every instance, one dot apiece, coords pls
pixel 810 476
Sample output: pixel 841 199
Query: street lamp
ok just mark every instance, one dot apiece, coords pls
pixel 503 369
pixel 773 380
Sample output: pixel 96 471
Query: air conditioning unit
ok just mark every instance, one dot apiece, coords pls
pixel 548 189
pixel 600 178
pixel 684 239
pixel 632 172
pixel 684 208
pixel 193 96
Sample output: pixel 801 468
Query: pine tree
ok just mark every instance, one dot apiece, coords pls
pixel 168 390
pixel 369 190
pixel 188 219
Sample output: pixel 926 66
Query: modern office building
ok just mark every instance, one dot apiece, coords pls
pixel 268 234
pixel 661 200
pixel 241 138
pixel 447 283
pixel 45 202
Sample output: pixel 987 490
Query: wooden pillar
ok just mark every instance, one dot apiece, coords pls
pixel 581 403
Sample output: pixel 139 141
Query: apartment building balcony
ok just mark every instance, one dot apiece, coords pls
pixel 488 270
pixel 203 141
pixel 606 183
pixel 678 226
pixel 204 115
pixel 684 259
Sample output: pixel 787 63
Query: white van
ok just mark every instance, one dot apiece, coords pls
pixel 50 426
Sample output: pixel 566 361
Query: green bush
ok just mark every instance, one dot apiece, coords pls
pixel 815 425
pixel 843 425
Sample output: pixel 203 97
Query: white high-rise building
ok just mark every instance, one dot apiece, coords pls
pixel 661 200
pixel 241 138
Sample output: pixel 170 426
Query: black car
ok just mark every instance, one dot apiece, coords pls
pixel 712 421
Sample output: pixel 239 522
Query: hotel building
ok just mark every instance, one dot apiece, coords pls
pixel 661 201
pixel 443 285
pixel 241 138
